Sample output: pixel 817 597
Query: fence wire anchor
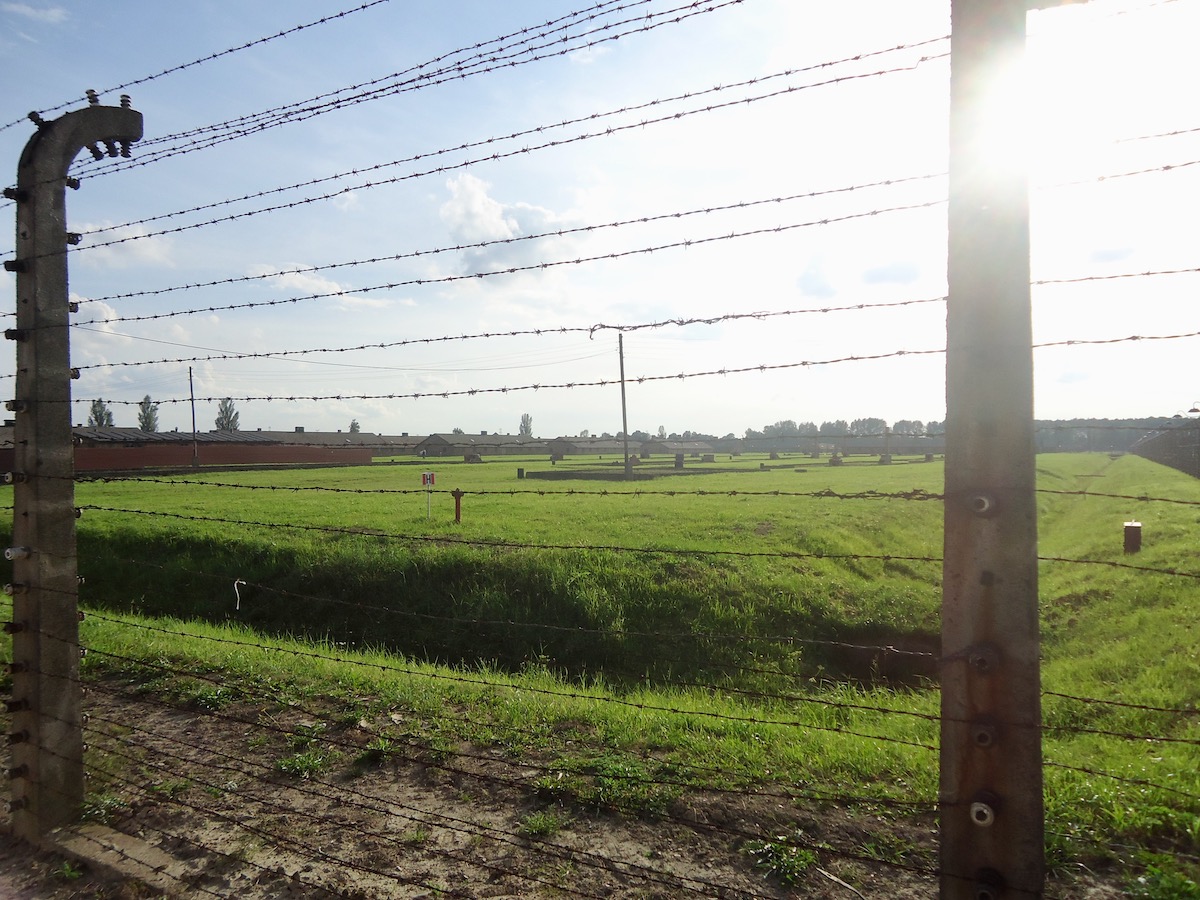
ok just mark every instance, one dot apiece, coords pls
pixel 983 811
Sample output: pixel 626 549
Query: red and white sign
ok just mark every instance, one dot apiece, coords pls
pixel 426 478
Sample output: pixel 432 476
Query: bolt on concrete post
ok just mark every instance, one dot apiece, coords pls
pixel 47 741
pixel 992 817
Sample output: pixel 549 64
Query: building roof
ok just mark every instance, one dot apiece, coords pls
pixel 93 434
pixel 343 439
pixel 594 444
pixel 484 440
pixel 657 446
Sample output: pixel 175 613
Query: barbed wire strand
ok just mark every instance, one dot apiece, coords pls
pixel 342 659
pixel 916 494
pixel 590 330
pixel 614 632
pixel 441 170
pixel 324 20
pixel 640 379
pixel 507 545
pixel 531 267
pixel 692 551
pixel 436 819
pixel 435 758
pixel 1139 781
pixel 522 238
pixel 451 73
pixel 541 691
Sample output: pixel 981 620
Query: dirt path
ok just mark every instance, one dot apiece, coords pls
pixel 203 794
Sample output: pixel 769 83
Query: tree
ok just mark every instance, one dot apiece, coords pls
pixel 585 433
pixel 662 432
pixel 456 430
pixel 147 415
pixel 100 416
pixel 836 428
pixel 227 415
pixel 525 429
pixel 782 428
pixel 867 426
pixel 908 426
pixel 355 428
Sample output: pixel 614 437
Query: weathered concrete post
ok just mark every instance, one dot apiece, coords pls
pixel 991 767
pixel 47 742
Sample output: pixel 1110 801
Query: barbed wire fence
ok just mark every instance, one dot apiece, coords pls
pixel 325 818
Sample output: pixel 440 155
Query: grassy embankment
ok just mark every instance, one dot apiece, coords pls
pixel 646 629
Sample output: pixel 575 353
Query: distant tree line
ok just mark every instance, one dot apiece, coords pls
pixel 864 427
pixel 1083 435
pixel 1050 435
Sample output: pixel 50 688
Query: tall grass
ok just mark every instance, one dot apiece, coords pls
pixel 392 578
pixel 587 653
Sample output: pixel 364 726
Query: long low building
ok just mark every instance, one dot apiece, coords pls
pixel 379 444
pixel 124 449
pixel 482 444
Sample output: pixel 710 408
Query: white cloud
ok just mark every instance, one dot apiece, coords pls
pixel 589 55
pixel 51 15
pixel 299 282
pixel 474 217
pixel 123 247
pixel 95 314
pixel 372 303
pixel 311 283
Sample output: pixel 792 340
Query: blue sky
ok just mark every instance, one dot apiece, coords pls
pixel 1101 75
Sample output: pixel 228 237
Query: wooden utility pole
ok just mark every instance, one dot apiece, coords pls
pixel 46 737
pixel 991 766
pixel 195 439
pixel 624 413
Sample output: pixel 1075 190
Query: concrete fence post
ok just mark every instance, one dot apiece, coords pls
pixel 46 737
pixel 991 768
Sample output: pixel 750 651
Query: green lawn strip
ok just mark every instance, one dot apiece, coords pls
pixel 636 751
pixel 703 738
pixel 641 628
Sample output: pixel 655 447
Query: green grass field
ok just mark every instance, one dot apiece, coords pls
pixel 702 626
